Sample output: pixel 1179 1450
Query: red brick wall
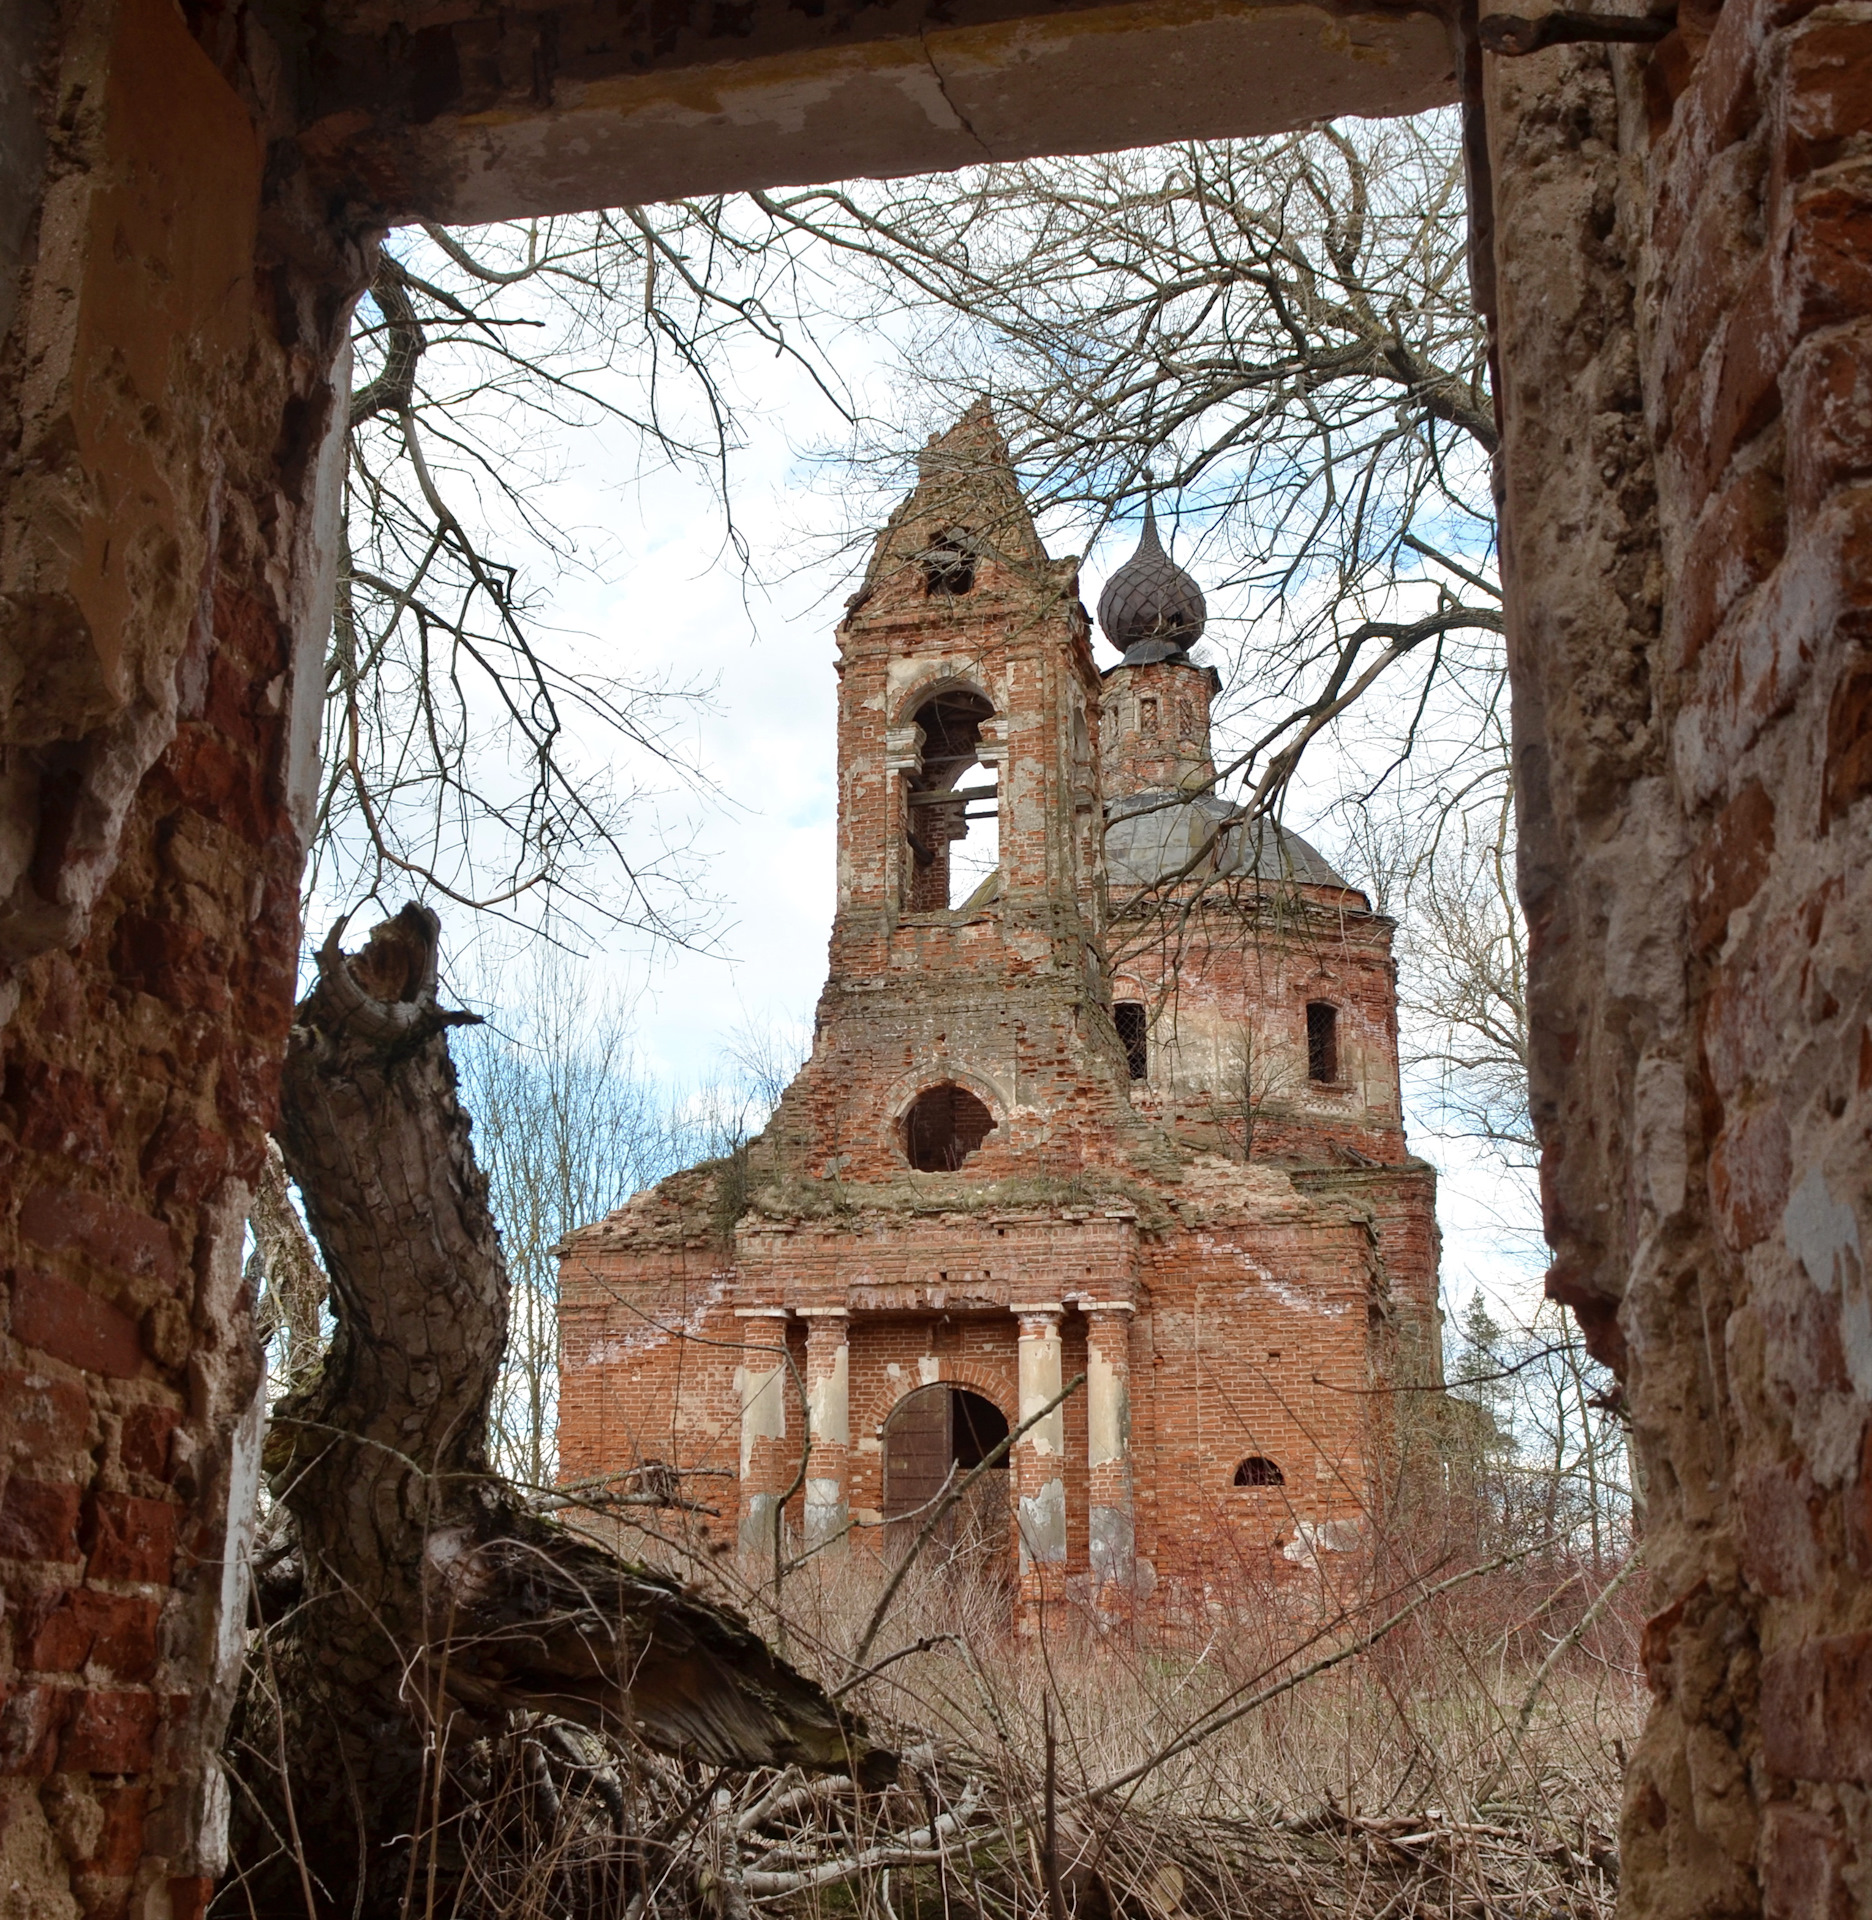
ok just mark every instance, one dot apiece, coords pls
pixel 1162 745
pixel 1252 1335
pixel 165 411
pixel 639 1379
pixel 1759 394
pixel 1268 1299
pixel 1230 982
pixel 139 1079
pixel 1682 241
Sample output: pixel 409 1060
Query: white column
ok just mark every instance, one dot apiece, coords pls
pixel 1111 1523
pixel 763 1380
pixel 1040 1454
pixel 828 1395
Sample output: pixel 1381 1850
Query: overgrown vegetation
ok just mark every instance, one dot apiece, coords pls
pixel 1277 335
pixel 1433 1725
pixel 1433 1733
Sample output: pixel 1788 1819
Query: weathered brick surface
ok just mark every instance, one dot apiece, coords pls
pixel 1270 1256
pixel 1681 252
pixel 63 1632
pixel 1804 1868
pixel 64 1320
pixel 158 565
pixel 1700 991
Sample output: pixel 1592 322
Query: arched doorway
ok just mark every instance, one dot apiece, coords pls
pixel 931 1433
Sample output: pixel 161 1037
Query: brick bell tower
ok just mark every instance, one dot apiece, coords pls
pixel 966 1013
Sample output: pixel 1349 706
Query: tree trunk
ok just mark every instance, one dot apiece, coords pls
pixel 288 1283
pixel 422 1607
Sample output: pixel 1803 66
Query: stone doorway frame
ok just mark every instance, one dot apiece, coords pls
pixel 1664 237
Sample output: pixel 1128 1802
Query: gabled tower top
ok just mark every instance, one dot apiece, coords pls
pixel 964 521
pixel 973 442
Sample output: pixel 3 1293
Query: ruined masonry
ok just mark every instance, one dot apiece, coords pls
pixel 1672 245
pixel 1124 1106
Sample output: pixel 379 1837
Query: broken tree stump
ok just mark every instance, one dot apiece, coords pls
pixel 419 1609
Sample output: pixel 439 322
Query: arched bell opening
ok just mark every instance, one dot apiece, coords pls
pixel 953 806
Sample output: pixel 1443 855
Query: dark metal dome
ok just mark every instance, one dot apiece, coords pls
pixel 1150 601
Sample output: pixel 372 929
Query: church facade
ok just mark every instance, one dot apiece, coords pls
pixel 1101 1125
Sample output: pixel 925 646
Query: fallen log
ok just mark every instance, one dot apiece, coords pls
pixel 419 1610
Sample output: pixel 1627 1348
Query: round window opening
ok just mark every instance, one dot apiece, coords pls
pixel 943 1127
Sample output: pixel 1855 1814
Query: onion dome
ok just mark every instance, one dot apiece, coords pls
pixel 1151 604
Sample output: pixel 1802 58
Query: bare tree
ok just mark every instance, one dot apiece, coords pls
pixel 1547 1448
pixel 1282 328
pixel 570 1121
pixel 416 1615
pixel 1465 983
pixel 1260 1074
pixel 568 1124
pixel 1278 336
pixel 472 747
pixel 1283 331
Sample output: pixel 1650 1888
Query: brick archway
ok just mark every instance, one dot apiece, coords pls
pixel 936 686
pixel 931 1443
pixel 911 1086
pixel 885 1403
pixel 1684 540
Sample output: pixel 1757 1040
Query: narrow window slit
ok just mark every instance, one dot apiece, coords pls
pixel 1133 1024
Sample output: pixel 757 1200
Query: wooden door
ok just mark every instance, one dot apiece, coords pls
pixel 918 1448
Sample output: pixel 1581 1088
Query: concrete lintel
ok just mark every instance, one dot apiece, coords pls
pixel 553 109
pixel 762 1313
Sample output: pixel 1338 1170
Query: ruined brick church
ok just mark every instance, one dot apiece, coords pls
pixel 1124 1107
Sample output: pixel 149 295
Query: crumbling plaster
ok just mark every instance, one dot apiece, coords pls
pixel 1681 244
pixel 526 111
pixel 170 406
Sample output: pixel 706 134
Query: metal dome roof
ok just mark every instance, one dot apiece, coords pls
pixel 1153 835
pixel 1151 601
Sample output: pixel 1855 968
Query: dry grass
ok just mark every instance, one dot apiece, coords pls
pixel 1090 1771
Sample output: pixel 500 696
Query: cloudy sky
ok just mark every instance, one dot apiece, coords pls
pixel 665 597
